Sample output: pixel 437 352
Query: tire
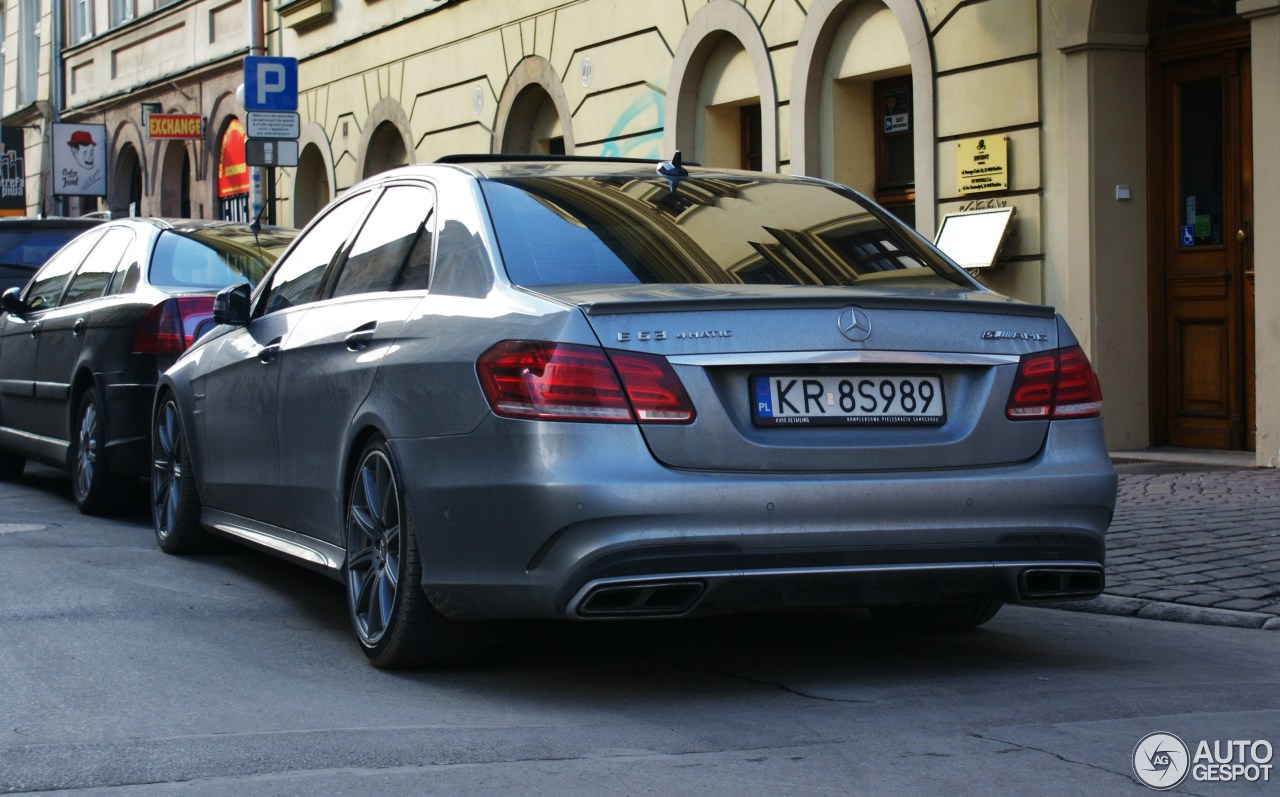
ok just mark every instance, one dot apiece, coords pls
pixel 175 504
pixel 95 487
pixel 395 623
pixel 948 616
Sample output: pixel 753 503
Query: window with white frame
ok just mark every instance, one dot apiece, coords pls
pixel 123 11
pixel 81 20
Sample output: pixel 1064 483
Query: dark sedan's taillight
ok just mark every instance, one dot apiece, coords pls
pixel 173 325
pixel 1055 385
pixel 568 382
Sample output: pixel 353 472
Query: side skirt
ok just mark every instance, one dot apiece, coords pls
pixel 309 551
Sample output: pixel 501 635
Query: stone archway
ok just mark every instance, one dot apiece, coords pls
pixel 703 40
pixel 533 111
pixel 175 181
pixel 386 141
pixel 311 186
pixel 126 183
pixel 821 26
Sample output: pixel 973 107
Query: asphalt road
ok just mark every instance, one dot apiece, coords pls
pixel 124 671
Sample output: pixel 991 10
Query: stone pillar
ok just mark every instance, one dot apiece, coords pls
pixel 1264 16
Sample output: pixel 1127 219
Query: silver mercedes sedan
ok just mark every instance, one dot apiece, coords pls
pixel 504 387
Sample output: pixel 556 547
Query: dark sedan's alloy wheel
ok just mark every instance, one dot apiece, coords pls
pixel 175 505
pixel 96 488
pixel 396 624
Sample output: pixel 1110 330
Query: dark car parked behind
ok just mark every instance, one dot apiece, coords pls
pixel 25 243
pixel 82 344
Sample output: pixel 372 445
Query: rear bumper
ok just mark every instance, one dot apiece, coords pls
pixel 525 519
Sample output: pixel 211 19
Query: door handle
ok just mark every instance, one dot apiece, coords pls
pixel 35 329
pixel 77 328
pixel 267 354
pixel 361 336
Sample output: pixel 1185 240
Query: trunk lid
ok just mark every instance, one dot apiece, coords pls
pixel 827 350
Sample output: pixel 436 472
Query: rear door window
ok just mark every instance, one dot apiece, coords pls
pixel 394 240
pixel 46 287
pixel 94 274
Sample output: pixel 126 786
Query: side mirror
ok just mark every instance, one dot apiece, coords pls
pixel 11 302
pixel 231 305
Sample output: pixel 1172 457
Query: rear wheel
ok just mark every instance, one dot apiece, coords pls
pixel 175 505
pixel 951 615
pixel 397 626
pixel 96 488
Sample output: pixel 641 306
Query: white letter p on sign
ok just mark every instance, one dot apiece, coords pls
pixel 271 80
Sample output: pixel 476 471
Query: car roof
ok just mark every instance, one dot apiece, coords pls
pixel 34 222
pixel 505 166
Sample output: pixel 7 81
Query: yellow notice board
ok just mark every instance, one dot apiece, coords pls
pixel 982 164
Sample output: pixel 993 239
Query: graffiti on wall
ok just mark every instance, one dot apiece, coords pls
pixel 647 113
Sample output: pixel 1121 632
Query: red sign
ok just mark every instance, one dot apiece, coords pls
pixel 233 172
pixel 175 125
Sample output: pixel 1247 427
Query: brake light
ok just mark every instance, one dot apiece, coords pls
pixel 173 325
pixel 1055 385
pixel 567 382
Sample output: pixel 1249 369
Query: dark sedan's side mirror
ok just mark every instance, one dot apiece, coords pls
pixel 231 305
pixel 11 302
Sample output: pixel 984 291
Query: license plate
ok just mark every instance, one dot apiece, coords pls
pixel 847 400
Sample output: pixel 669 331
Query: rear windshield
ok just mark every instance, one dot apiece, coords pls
pixel 215 257
pixel 32 247
pixel 699 230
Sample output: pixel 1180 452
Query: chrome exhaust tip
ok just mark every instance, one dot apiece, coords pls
pixel 652 599
pixel 1060 583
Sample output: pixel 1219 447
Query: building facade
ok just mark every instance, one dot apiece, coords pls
pixel 1136 140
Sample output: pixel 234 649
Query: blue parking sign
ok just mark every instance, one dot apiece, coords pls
pixel 270 83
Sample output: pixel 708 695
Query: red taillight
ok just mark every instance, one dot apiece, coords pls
pixel 173 325
pixel 1055 385
pixel 568 382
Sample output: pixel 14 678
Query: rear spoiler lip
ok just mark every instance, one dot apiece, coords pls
pixel 625 306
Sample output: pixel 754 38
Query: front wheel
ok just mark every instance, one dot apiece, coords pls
pixel 175 504
pixel 948 616
pixel 96 488
pixel 397 626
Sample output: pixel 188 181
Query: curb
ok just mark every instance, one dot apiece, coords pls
pixel 1169 612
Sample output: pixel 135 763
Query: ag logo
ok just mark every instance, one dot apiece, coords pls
pixel 1160 760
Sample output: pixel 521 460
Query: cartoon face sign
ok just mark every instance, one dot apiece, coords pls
pixel 78 162
pixel 84 149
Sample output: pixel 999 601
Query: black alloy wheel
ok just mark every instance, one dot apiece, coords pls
pixel 96 488
pixel 175 504
pixel 396 624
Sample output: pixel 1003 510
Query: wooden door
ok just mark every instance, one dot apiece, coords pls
pixel 1202 270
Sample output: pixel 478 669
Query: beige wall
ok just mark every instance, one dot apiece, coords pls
pixel 1061 80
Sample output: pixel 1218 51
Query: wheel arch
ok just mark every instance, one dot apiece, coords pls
pixel 361 433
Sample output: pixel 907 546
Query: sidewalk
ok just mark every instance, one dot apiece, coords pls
pixel 1195 538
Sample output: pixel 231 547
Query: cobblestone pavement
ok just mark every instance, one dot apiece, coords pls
pixel 1192 544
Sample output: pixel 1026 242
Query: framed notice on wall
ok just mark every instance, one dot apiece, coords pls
pixel 982 164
